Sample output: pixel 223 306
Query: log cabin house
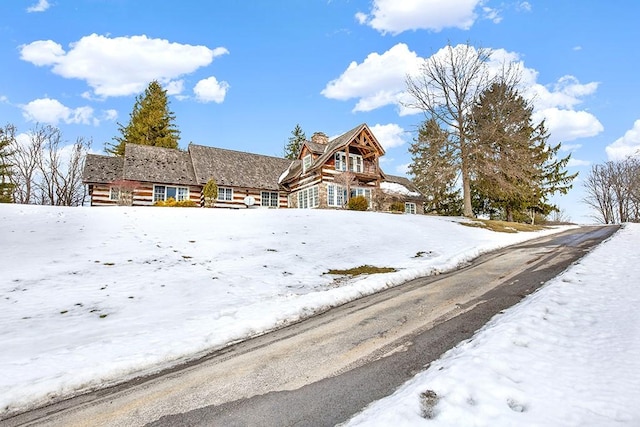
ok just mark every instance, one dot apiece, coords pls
pixel 325 175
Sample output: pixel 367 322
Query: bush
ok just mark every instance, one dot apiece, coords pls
pixel 210 193
pixel 358 203
pixel 397 207
pixel 171 203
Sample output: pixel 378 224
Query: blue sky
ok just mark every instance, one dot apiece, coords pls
pixel 242 74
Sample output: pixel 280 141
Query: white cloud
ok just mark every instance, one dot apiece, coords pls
pixel 174 87
pixel 42 52
pixel 41 6
pixel 389 135
pixel 52 111
pixel 567 125
pixel 4 99
pixel 525 6
pixel 210 89
pixel 121 66
pixel 492 14
pixel 577 163
pixel 395 17
pixel 570 147
pixel 565 93
pixel 403 169
pixel 109 115
pixel 627 145
pixel 378 81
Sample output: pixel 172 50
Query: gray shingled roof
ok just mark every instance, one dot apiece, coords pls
pixel 406 182
pixel 101 169
pixel 156 164
pixel 235 168
pixel 316 147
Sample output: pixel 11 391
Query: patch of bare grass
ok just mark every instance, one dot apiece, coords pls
pixel 502 226
pixel 363 269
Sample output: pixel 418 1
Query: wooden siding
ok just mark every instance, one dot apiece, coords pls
pixel 239 194
pixel 142 194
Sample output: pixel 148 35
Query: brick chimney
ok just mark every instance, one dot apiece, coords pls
pixel 319 138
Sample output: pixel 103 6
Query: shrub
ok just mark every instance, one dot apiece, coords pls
pixel 397 207
pixel 358 203
pixel 210 193
pixel 171 202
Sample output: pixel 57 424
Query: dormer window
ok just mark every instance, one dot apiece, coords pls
pixel 306 162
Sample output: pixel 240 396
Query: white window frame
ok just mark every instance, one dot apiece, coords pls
pixel 225 194
pixel 410 208
pixel 270 199
pixel 336 195
pixel 356 163
pixel 362 191
pixel 309 198
pixel 341 161
pixel 306 162
pixel 182 193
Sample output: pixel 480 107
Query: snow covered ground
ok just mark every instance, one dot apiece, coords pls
pixel 568 355
pixel 92 296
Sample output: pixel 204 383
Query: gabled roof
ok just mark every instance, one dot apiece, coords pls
pixel 342 141
pixel 100 169
pixel 236 168
pixel 325 151
pixel 157 164
pixel 315 147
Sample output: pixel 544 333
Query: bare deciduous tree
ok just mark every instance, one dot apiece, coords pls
pixel 126 190
pixel 445 89
pixel 612 191
pixel 46 171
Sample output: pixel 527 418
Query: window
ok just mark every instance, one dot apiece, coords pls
pixel 336 195
pixel 366 192
pixel 355 163
pixel 225 194
pixel 306 162
pixel 158 193
pixel 341 161
pixel 409 208
pixel 182 193
pixel 268 198
pixel 164 192
pixel 308 198
pixel 114 193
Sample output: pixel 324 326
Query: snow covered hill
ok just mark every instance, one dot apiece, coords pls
pixel 92 296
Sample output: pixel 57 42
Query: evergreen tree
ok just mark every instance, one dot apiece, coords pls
pixel 515 170
pixel 210 193
pixel 297 138
pixel 7 136
pixel 151 122
pixel 434 169
pixel 444 89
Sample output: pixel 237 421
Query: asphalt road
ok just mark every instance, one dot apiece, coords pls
pixel 321 371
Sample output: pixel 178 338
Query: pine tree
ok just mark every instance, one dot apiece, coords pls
pixel 7 135
pixel 444 89
pixel 151 122
pixel 515 170
pixel 434 169
pixel 297 138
